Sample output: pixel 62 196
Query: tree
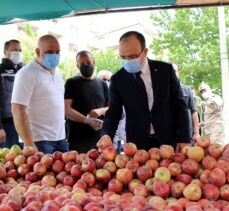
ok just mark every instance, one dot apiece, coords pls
pixel 191 39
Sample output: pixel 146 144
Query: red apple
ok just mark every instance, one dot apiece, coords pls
pixel 104 142
pixel 224 192
pixel 210 191
pixel 132 165
pixel 31 176
pixel 124 175
pixel 204 176
pixel 154 154
pixel 10 156
pixel 31 160
pixel 141 156
pixel 190 166
pixel 49 180
pixel 110 166
pixel 208 162
pixel 20 159
pixel 121 160
pixel 93 154
pixel 28 151
pixel 143 173
pixel 100 161
pixel 177 189
pixel 80 184
pixel 165 163
pixel 47 160
pixel 69 181
pixel 175 169
pixel 57 155
pixel 178 157
pixel 89 178
pixel 102 175
pixel 153 164
pixel 115 186
pixel 225 155
pixel 76 171
pixel 69 156
pixel 215 150
pixel 161 189
pixel 60 176
pixel 203 141
pixel 129 149
pixel 88 165
pixel 9 165
pixel 23 169
pixel 39 169
pixel 68 166
pixel 57 166
pixel 223 165
pixel 140 190
pixel 185 178
pixel 217 177
pixel 109 153
pixel 166 152
pixel 11 173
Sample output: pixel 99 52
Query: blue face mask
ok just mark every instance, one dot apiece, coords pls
pixel 51 60
pixel 132 65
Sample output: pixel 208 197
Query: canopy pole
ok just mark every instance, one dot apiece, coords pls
pixel 224 69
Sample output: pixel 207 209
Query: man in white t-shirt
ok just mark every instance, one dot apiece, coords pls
pixel 38 100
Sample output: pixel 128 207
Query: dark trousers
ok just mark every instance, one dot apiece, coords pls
pixel 153 142
pixel 11 134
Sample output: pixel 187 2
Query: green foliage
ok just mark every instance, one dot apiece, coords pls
pixel 191 37
pixel 107 60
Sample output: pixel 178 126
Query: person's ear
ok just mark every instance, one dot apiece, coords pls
pixel 38 52
pixel 145 51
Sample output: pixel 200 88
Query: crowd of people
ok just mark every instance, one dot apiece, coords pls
pixel 144 102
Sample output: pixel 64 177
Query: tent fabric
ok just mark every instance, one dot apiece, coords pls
pixel 16 10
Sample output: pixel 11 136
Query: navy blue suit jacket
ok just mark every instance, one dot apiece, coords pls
pixel 169 114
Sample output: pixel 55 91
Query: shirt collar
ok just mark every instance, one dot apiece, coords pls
pixel 145 67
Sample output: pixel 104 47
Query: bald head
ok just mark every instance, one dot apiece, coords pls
pixel 47 44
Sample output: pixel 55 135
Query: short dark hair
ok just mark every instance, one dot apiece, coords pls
pixel 7 44
pixel 83 53
pixel 138 35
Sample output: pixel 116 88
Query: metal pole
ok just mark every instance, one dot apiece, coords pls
pixel 224 69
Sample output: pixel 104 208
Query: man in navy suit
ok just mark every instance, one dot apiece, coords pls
pixel 150 92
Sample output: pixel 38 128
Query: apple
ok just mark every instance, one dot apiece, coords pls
pixel 215 150
pixel 16 148
pixel 149 184
pixel 223 165
pixel 47 160
pixel 178 158
pixel 174 207
pixel 68 166
pixel 161 189
pixel 60 176
pixel 115 186
pixel 190 166
pixel 39 169
pixel 162 174
pixel 175 169
pixel 9 165
pixel 11 173
pixel 49 180
pixel 208 162
pixel 210 191
pixel 121 160
pixel 212 206
pixel 192 192
pixel 157 202
pixel 144 172
pixel 102 175
pixel 177 189
pixel 124 175
pixel 57 155
pixel 69 180
pixel 88 165
pixel 166 151
pixel 93 154
pixel 132 165
pixel 31 160
pixel 154 154
pixel 110 166
pixel 224 192
pixel 129 149
pixel 109 153
pixel 69 156
pixel 203 141
pixel 217 177
pixel 19 160
pixel 23 169
pixel 58 166
pixel 195 153
pixel 31 176
pixel 76 171
pixel 89 178
pixel 140 190
pixel 194 208
pixel 104 142
pixel 185 178
pixel 28 151
pixel 10 156
pixel 100 161
pixel 141 156
pixel 204 177
pixel 165 163
pixel 225 155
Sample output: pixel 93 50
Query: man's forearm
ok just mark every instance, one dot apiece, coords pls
pixel 21 122
pixel 196 123
pixel 75 115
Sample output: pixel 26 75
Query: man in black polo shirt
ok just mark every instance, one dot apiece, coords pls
pixel 86 100
pixel 8 68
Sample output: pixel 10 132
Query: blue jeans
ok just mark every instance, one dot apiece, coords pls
pixel 11 135
pixel 48 147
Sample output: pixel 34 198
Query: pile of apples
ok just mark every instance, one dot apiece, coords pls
pixel 195 179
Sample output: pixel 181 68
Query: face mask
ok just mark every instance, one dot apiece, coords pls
pixel 205 95
pixel 132 65
pixel 51 60
pixel 86 70
pixel 15 57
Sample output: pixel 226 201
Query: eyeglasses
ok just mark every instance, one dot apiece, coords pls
pixel 133 56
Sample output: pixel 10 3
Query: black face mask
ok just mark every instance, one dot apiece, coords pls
pixel 86 70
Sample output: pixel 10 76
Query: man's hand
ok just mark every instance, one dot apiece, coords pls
pixel 96 124
pixel 31 145
pixel 95 113
pixel 180 146
pixel 2 136
pixel 195 136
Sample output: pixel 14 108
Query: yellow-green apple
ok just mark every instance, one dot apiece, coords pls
pixel 129 148
pixel 39 169
pixel 195 153
pixel 16 148
pixel 110 166
pixel 192 192
pixel 121 160
pixel 162 174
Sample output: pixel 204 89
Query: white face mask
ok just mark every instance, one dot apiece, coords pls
pixel 205 95
pixel 15 57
